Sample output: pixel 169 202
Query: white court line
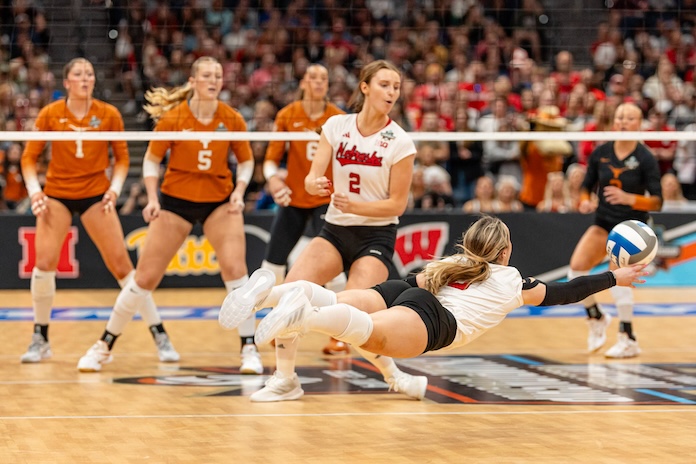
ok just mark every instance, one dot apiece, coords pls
pixel 354 414
pixel 50 382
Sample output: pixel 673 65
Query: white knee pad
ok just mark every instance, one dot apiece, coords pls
pixel 129 301
pixel 122 282
pixel 359 328
pixel 623 298
pixel 43 283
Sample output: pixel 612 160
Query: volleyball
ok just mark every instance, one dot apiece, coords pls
pixel 631 242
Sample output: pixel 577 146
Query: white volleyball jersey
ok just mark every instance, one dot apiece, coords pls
pixel 362 165
pixel 482 305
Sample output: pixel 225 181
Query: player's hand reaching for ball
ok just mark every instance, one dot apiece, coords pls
pixel 630 275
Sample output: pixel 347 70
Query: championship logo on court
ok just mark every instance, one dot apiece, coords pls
pixel 498 379
pixel 68 265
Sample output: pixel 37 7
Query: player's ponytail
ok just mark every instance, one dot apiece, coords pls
pixel 482 244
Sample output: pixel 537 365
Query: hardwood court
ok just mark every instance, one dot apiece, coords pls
pixel 50 413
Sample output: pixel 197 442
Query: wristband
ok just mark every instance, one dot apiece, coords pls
pixel 150 168
pixel 33 186
pixel 270 169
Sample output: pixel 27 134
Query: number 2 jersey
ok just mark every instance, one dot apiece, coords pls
pixel 198 170
pixel 362 165
pixel 77 169
pixel 293 118
pixel 637 173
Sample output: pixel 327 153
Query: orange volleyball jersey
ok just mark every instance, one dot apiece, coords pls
pixel 198 170
pixel 293 118
pixel 77 169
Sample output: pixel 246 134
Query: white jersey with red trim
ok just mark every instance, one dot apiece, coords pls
pixel 482 305
pixel 362 165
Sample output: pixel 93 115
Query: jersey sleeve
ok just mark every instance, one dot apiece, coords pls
pixel 241 148
pixel 651 171
pixel 328 130
pixel 159 147
pixel 276 148
pixel 34 148
pixel 119 147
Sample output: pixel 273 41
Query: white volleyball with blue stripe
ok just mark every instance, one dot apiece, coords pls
pixel 631 242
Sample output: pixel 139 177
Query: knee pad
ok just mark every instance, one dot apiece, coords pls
pixel 623 296
pixel 43 283
pixel 122 282
pixel 359 328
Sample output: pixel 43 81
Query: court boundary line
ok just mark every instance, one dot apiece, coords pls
pixel 349 414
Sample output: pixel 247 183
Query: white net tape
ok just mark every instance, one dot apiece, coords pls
pixel 289 136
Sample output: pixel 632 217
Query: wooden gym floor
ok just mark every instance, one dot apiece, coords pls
pixel 526 392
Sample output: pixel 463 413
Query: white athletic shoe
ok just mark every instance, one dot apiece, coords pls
pixel 97 355
pixel 279 388
pixel 410 385
pixel 165 349
pixel 624 348
pixel 251 360
pixel 38 349
pixel 597 336
pixel 287 319
pixel 241 302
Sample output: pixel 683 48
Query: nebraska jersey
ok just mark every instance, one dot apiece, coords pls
pixel 293 118
pixel 77 169
pixel 198 170
pixel 482 305
pixel 362 165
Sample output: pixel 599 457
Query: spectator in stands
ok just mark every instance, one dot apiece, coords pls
pixel 484 196
pixel 465 160
pixel 655 87
pixel 672 197
pixel 664 150
pixel 540 157
pixel 507 190
pixel 438 189
pixel 14 189
pixel 602 120
pixel 500 157
pixel 685 164
pixel 556 195
pixel 575 175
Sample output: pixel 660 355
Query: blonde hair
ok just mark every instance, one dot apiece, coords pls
pixel 482 243
pixel 162 100
pixel 357 100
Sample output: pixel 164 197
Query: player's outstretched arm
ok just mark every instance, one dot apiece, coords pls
pixel 538 293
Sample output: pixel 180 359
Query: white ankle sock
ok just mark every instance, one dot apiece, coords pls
pixel 385 364
pixel 286 354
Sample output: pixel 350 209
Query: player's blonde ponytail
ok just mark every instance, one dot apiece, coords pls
pixel 482 244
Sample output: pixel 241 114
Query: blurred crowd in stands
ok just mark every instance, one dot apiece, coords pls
pixel 468 65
